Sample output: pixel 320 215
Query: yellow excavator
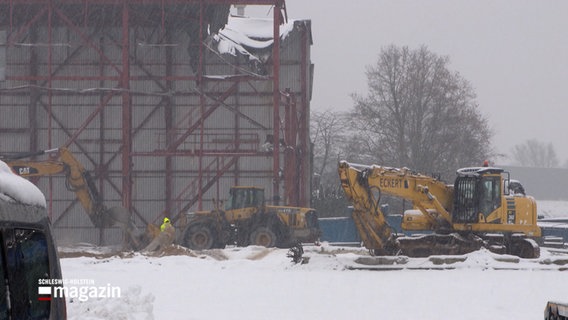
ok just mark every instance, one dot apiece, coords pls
pixel 483 208
pixel 79 181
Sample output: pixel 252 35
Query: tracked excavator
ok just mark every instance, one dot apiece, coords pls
pixel 483 208
pixel 79 181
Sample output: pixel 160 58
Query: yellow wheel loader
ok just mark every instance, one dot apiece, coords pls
pixel 247 220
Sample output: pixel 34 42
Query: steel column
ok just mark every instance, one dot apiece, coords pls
pixel 276 103
pixel 126 111
pixel 201 107
pixel 304 152
pixel 169 120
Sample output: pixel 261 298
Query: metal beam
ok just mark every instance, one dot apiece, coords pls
pixel 143 2
pixel 126 112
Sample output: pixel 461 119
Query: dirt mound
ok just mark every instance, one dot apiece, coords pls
pixel 97 255
pixel 261 254
pixel 216 254
pixel 105 253
pixel 173 250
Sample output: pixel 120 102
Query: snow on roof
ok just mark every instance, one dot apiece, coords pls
pixel 18 188
pixel 244 34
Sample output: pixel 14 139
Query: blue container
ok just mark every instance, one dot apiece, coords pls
pixel 339 230
pixel 554 227
pixel 342 230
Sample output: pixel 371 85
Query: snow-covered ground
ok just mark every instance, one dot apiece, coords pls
pixel 336 283
pixel 260 283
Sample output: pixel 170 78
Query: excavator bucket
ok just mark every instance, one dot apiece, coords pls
pixel 121 217
pixel 117 216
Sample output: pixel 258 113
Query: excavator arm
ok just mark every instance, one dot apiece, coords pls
pixel 78 180
pixel 364 184
pixel 369 220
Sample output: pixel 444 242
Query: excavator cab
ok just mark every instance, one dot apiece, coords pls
pixel 245 197
pixel 476 191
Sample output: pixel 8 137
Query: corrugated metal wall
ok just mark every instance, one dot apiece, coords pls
pixel 63 87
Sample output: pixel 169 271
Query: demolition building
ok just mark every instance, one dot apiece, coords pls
pixel 165 103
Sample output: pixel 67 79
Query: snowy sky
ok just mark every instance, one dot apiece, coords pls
pixel 514 53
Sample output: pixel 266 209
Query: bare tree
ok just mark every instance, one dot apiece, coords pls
pixel 328 138
pixel 419 114
pixel 327 135
pixel 327 130
pixel 534 153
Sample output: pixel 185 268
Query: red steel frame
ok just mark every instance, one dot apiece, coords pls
pixel 296 174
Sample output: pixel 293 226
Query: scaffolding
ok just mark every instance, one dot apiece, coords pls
pixel 161 117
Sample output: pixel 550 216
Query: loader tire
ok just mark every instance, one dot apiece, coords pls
pixel 263 236
pixel 199 237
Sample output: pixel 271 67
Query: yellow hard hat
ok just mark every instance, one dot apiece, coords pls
pixel 166 220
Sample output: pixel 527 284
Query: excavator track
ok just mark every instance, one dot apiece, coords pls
pixel 483 259
pixel 524 248
pixel 439 244
pixel 459 244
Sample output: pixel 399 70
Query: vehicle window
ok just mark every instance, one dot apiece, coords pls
pixel 229 203
pixel 3 292
pixel 258 198
pixel 491 195
pixel 27 262
pixel 248 199
pixel 239 198
pixel 465 200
